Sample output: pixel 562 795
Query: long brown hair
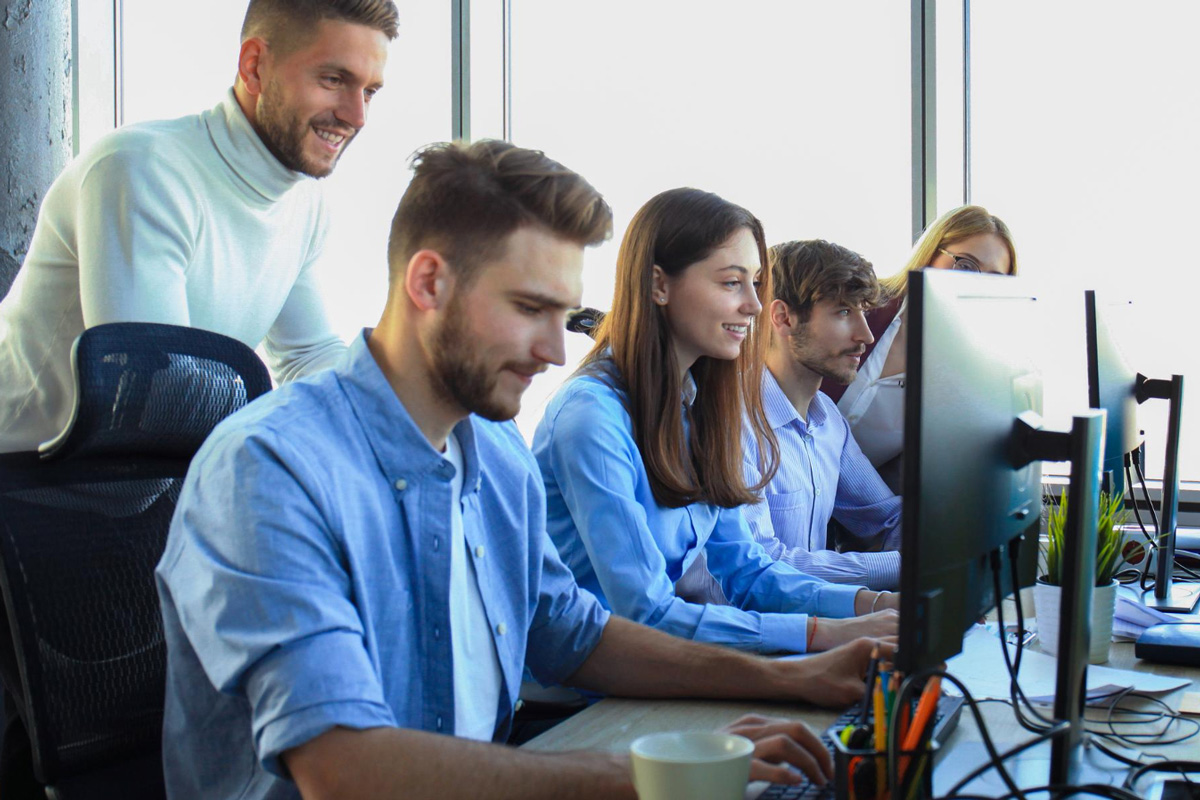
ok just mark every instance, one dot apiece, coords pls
pixel 673 231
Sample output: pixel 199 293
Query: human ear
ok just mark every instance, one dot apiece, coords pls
pixel 782 318
pixel 658 284
pixel 427 281
pixel 250 62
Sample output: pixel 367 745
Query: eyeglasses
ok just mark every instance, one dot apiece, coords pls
pixel 963 263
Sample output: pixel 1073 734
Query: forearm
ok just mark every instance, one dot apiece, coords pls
pixel 393 762
pixel 869 602
pixel 874 570
pixel 635 661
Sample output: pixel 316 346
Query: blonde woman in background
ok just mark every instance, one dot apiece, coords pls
pixel 966 238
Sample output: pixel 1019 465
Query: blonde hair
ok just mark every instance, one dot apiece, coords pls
pixel 950 228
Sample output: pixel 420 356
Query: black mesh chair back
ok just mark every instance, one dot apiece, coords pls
pixel 83 523
pixel 584 320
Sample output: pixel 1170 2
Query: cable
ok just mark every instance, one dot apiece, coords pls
pixel 1059 791
pixel 1007 754
pixel 1040 723
pixel 995 761
pixel 1153 541
pixel 1173 765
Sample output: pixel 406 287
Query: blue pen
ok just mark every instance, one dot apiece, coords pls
pixel 885 678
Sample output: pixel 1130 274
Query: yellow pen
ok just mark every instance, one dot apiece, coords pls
pixel 880 741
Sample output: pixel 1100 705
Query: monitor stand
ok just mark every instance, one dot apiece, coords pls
pixel 1181 598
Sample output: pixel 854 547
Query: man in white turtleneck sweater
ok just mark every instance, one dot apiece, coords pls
pixel 212 221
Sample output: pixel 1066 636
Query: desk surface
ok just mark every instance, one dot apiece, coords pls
pixel 613 724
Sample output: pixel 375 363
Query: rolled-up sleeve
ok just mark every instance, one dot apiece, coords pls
pixel 264 601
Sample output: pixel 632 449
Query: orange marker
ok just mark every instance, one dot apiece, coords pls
pixel 922 719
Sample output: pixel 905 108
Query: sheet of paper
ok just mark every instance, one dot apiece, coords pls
pixel 981 668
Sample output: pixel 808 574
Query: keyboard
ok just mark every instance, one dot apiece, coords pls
pixel 945 719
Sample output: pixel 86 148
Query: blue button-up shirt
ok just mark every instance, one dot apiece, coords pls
pixel 306 579
pixel 629 550
pixel 822 474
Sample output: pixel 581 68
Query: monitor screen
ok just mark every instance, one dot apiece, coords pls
pixel 1112 384
pixel 973 342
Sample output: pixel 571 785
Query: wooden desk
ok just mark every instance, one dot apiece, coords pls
pixel 613 724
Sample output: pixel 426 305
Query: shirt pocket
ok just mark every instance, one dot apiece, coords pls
pixel 791 516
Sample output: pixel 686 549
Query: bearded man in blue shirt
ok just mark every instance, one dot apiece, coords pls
pixel 358 569
pixel 819 333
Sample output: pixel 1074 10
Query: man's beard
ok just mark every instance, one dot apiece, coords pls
pixel 460 375
pixel 283 132
pixel 827 367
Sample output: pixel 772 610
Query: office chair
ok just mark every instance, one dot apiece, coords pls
pixel 83 523
pixel 584 320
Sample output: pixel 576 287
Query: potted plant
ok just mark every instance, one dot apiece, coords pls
pixel 1047 593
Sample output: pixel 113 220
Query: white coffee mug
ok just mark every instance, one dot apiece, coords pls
pixel 691 765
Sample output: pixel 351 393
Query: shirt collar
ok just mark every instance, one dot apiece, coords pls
pixel 400 447
pixel 780 411
pixel 689 388
pixel 240 147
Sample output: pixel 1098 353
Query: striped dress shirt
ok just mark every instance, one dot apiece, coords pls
pixel 822 474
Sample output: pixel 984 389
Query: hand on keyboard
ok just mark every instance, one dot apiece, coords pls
pixel 780 742
pixel 833 679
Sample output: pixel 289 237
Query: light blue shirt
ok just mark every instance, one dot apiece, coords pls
pixel 822 474
pixel 629 550
pixel 306 579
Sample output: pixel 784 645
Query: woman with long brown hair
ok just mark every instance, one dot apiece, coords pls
pixel 641 454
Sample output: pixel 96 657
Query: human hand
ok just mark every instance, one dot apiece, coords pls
pixel 830 633
pixel 834 679
pixel 779 742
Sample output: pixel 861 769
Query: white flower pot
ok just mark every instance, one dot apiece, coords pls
pixel 1047 600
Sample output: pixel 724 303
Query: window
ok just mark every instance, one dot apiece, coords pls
pixel 798 111
pixel 1085 126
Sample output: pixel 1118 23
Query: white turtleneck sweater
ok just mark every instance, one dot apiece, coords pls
pixel 187 222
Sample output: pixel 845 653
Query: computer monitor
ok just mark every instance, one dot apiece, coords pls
pixel 1115 387
pixel 1112 385
pixel 971 373
pixel 972 478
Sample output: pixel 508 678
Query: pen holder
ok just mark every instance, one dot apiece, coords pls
pixel 858 767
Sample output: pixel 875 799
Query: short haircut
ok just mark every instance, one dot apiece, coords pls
pixel 805 272
pixel 465 199
pixel 285 25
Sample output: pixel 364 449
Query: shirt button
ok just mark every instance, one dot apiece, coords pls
pixel 439 723
pixel 437 543
pixel 479 551
pixel 818 492
pixel 401 484
pixel 501 629
pixel 437 633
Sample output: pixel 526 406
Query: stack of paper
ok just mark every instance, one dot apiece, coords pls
pixel 981 668
pixel 1130 617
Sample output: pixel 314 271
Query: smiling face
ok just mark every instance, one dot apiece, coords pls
pixel 985 249
pixel 832 342
pixel 314 99
pixel 507 325
pixel 710 305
